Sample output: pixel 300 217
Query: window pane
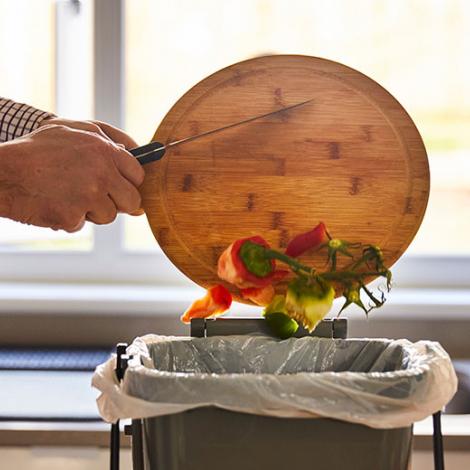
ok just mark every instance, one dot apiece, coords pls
pixel 15 236
pixel 138 235
pixel 28 74
pixel 417 49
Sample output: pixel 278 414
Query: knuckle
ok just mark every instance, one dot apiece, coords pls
pixel 97 141
pixel 57 128
pixel 104 213
pixel 94 188
pixel 92 126
pixel 108 217
pixel 99 124
pixel 109 149
pixel 50 218
pixel 89 147
pixel 70 223
pixel 112 217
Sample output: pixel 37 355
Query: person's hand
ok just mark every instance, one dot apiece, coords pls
pixel 101 128
pixel 59 176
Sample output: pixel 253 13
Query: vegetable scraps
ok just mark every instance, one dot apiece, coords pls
pixel 216 301
pixel 250 264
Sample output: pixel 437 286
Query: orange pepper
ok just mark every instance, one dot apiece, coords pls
pixel 216 301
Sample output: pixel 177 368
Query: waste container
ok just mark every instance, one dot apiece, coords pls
pixel 255 402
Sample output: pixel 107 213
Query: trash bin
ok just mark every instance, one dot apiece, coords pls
pixel 255 402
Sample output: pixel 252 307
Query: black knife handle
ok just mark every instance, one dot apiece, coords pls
pixel 149 152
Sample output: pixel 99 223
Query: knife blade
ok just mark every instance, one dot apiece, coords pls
pixel 156 150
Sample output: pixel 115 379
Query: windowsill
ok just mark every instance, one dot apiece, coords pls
pixel 117 299
pixel 97 298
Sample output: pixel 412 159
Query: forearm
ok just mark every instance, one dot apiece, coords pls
pixel 18 119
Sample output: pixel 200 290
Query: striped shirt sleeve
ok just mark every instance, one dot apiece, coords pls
pixel 18 119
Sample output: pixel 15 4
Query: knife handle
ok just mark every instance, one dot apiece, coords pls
pixel 149 152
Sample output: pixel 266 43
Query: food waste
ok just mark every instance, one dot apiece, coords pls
pixel 251 265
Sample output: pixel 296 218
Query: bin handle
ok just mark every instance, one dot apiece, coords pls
pixel 438 445
pixel 115 434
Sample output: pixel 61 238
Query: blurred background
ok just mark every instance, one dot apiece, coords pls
pixel 127 62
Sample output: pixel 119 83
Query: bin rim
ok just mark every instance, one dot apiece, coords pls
pixel 425 387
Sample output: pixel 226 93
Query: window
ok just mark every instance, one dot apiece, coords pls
pixel 415 49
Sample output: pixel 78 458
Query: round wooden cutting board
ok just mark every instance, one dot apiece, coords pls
pixel 351 158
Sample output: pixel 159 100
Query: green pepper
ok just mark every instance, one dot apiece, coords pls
pixel 308 300
pixel 254 258
pixel 281 325
pixel 278 320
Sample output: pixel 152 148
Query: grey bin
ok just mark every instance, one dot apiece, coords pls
pixel 210 438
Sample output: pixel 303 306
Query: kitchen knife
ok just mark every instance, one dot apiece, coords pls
pixel 156 150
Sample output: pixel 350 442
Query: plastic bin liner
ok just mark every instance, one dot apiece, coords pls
pixel 376 382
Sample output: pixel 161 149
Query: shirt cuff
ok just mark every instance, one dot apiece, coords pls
pixel 18 119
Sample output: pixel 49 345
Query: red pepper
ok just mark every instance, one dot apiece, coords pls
pixel 307 241
pixel 231 267
pixel 216 301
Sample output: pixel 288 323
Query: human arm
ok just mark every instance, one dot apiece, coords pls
pixel 65 171
pixel 58 177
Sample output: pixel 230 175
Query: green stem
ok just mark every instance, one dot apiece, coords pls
pixel 357 263
pixel 329 275
pixel 294 264
pixel 342 275
pixel 377 302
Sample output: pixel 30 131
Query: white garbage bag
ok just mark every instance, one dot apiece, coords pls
pixel 376 382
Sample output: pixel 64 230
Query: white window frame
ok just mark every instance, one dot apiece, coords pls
pixel 108 262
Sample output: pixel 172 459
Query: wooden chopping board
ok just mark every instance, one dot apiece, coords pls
pixel 351 158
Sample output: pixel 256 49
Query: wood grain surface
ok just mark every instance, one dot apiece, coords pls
pixel 351 158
